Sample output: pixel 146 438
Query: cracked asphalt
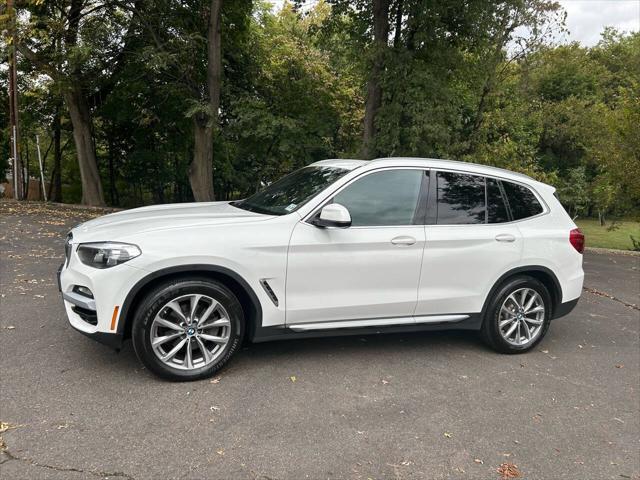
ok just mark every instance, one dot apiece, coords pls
pixel 411 406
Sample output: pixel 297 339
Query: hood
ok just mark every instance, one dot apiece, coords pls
pixel 162 217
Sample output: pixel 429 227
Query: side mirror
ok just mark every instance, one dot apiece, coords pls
pixel 333 215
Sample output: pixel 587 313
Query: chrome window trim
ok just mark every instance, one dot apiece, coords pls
pixel 325 200
pixel 545 208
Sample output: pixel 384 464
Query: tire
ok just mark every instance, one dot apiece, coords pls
pixel 167 316
pixel 509 294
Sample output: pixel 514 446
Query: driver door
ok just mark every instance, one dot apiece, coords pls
pixel 369 270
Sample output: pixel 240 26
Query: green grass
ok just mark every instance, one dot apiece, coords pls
pixel 597 236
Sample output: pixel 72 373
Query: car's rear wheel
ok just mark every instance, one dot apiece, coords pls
pixel 187 329
pixel 518 316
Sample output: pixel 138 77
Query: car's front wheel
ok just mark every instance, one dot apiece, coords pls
pixel 187 329
pixel 518 315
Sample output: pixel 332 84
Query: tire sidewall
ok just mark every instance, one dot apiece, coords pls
pixel 490 326
pixel 158 298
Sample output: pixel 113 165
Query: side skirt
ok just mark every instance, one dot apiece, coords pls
pixel 472 321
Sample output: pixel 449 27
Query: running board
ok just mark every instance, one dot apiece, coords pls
pixel 376 322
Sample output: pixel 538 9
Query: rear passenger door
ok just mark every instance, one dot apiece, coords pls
pixel 470 242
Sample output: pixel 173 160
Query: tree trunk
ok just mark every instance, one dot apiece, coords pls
pixel 55 193
pixel 201 168
pixel 113 194
pixel 374 87
pixel 397 36
pixel 83 138
pixel 25 169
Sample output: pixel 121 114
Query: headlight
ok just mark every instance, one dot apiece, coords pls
pixel 106 254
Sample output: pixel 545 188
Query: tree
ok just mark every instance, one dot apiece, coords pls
pixel 205 121
pixel 74 42
pixel 374 83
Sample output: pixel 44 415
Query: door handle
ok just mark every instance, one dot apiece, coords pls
pixel 403 240
pixel 505 237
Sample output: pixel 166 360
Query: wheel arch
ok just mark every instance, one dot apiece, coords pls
pixel 540 273
pixel 236 283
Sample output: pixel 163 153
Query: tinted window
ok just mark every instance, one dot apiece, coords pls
pixel 382 198
pixel 291 192
pixel 522 201
pixel 460 199
pixel 496 207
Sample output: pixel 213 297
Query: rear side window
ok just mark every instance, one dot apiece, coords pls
pixel 522 201
pixel 461 199
pixel 496 206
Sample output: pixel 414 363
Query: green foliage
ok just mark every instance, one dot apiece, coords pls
pixel 475 80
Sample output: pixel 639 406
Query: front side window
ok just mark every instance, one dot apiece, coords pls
pixel 291 192
pixel 460 199
pixel 522 201
pixel 388 197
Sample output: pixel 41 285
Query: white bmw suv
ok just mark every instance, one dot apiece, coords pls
pixel 338 247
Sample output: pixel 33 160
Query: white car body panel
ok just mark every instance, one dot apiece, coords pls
pixel 352 273
pixel 462 286
pixel 326 275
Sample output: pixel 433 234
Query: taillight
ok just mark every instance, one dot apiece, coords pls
pixel 576 238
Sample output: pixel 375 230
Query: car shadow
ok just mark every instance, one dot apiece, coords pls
pixel 356 350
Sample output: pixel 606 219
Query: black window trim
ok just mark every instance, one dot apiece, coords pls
pixel 432 207
pixel 421 207
pixel 505 199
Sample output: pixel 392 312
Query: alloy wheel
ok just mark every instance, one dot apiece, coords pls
pixel 190 331
pixel 521 317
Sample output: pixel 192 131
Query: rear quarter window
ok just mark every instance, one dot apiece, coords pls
pixel 522 201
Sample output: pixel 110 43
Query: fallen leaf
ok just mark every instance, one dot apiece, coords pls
pixel 619 365
pixel 478 461
pixel 215 380
pixel 293 378
pixel 385 382
pixel 447 434
pixel 508 470
pixel 4 426
pixel 220 452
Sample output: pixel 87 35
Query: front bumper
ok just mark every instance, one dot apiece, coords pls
pixel 98 317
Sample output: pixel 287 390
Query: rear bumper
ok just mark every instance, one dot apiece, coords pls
pixel 565 308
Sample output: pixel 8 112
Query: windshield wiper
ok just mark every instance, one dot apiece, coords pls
pixel 243 205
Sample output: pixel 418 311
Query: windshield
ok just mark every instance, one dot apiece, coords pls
pixel 291 192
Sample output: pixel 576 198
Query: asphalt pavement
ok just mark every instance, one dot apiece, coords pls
pixel 404 406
